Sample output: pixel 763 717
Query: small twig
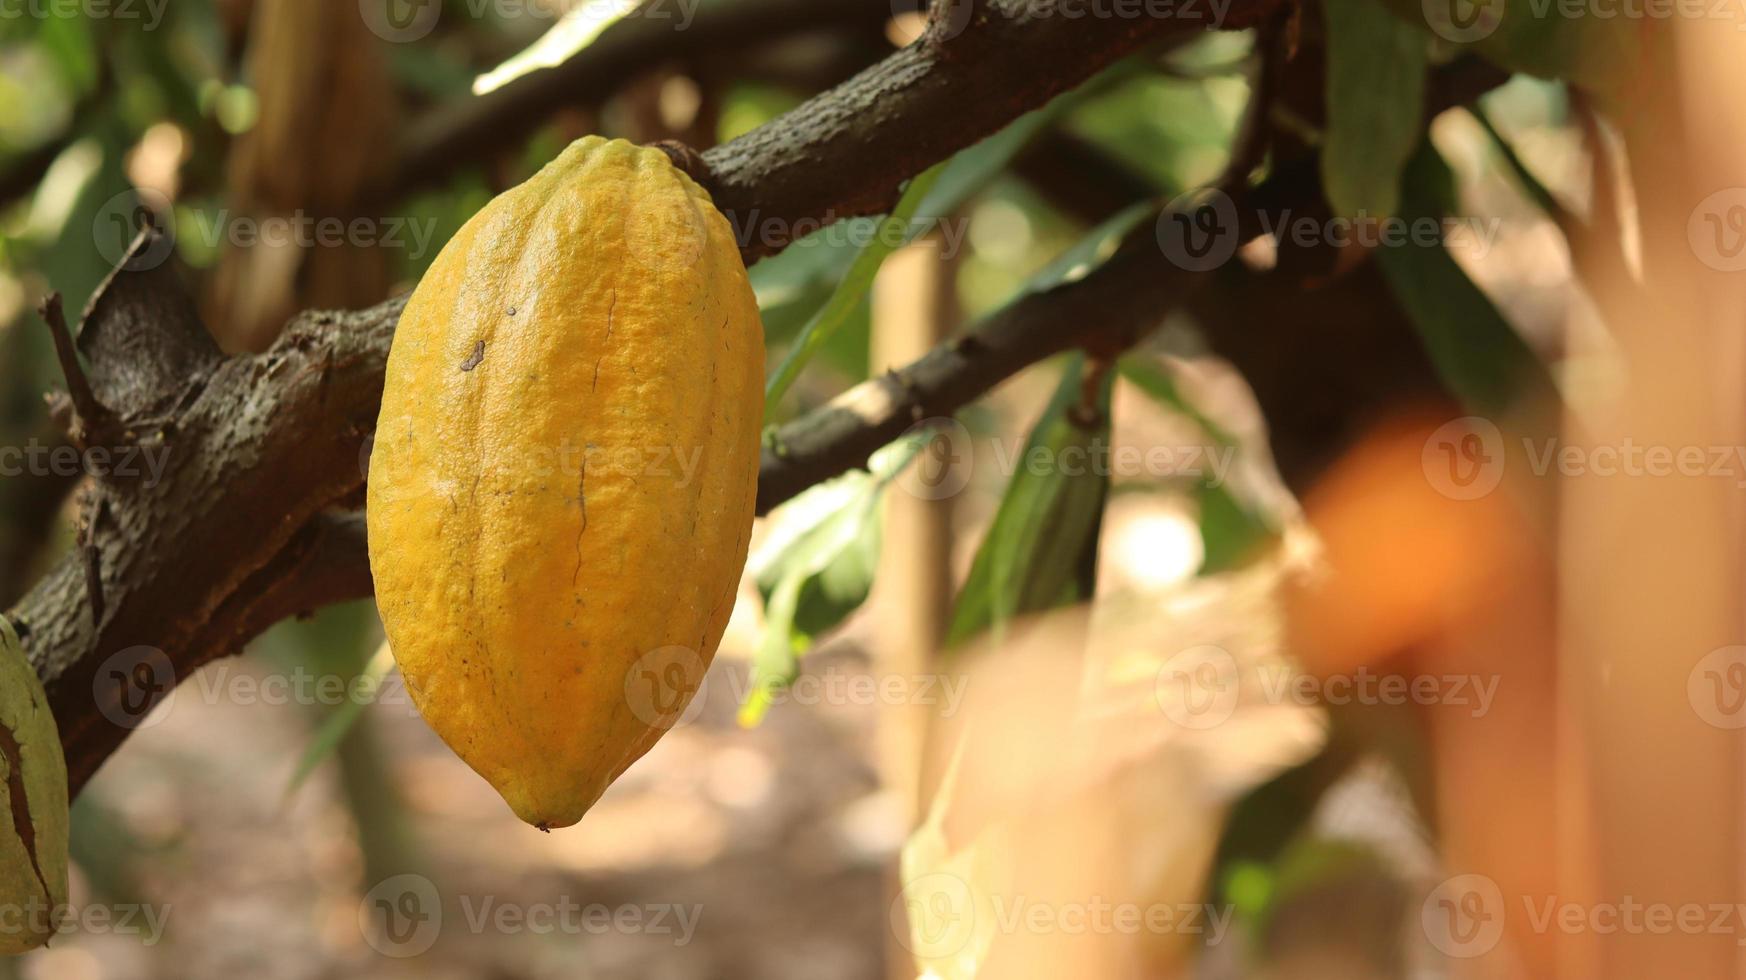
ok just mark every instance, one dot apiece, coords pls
pixel 1254 137
pixel 688 160
pixel 91 415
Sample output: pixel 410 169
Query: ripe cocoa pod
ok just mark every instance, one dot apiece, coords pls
pixel 564 472
pixel 33 783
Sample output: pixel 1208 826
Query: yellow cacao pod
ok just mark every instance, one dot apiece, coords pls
pixel 562 485
pixel 33 841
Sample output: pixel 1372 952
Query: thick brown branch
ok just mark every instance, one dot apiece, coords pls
pixel 847 152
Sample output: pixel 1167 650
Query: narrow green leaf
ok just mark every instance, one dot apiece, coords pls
pixel 824 570
pixel 340 720
pixel 1476 352
pixel 1143 372
pixel 894 229
pixel 1231 534
pixel 1531 185
pixel 1041 550
pixel 1090 252
pixel 1375 100
pixel 933 195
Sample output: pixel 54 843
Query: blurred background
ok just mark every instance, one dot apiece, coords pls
pixel 1088 681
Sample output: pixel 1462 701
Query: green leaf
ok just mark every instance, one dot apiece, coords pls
pixel 339 721
pixel 1264 823
pixel 823 570
pixel 1143 372
pixel 1375 99
pixel 68 40
pixel 794 284
pixel 933 195
pixel 1041 550
pixel 1476 352
pixel 1606 55
pixel 894 229
pixel 1093 250
pixel 1231 531
pixel 974 167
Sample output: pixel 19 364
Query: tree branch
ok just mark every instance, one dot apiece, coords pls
pixel 847 152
